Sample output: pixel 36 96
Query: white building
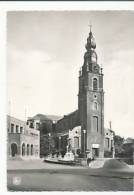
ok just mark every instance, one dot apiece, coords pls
pixel 22 142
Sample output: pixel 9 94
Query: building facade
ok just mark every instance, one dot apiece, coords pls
pixel 46 124
pixel 109 140
pixel 75 140
pixel 23 142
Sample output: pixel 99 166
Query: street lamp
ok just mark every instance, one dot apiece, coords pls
pixel 113 147
pixel 49 134
pixel 84 131
pixel 59 144
pixel 68 144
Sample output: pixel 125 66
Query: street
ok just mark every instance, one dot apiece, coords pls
pixel 67 178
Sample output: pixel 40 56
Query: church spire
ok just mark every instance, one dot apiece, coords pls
pixel 90 56
pixel 90 40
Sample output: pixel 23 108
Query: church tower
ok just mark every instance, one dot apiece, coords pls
pixel 91 101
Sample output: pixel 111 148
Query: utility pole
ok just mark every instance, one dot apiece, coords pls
pixel 84 132
pixel 59 144
pixel 113 146
pixel 110 125
pixel 49 142
pixel 25 120
pixel 25 116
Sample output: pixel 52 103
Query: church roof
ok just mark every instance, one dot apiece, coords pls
pixel 71 113
pixel 46 117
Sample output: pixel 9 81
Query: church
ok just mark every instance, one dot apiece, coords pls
pixel 89 118
pixel 82 130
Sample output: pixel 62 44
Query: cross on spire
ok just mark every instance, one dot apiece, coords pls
pixel 90 26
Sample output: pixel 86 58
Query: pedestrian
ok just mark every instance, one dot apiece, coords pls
pixel 89 158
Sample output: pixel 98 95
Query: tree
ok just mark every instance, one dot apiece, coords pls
pixel 128 147
pixel 118 142
pixel 45 127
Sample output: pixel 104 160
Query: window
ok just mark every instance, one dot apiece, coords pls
pixel 28 149
pixel 12 128
pixel 32 149
pixel 14 149
pixel 17 129
pixel 95 123
pixel 95 106
pixel 21 129
pixel 31 125
pixel 23 149
pixel 95 84
pixel 37 126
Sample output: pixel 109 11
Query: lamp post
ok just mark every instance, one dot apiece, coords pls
pixel 49 135
pixel 68 144
pixel 59 144
pixel 84 132
pixel 113 151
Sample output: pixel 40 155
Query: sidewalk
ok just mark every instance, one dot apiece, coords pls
pixel 36 164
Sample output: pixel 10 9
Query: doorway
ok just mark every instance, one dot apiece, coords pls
pixel 95 152
pixel 13 149
pixel 23 149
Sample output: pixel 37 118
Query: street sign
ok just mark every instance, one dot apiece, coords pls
pixel 95 146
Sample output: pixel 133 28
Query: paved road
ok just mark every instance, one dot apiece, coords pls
pixel 66 178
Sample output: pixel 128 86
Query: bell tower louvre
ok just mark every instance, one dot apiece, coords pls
pixel 91 101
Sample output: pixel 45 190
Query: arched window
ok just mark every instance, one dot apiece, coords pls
pixel 17 129
pixel 23 149
pixel 21 129
pixel 95 123
pixel 95 106
pixel 31 149
pixel 12 128
pixel 13 149
pixel 95 84
pixel 27 149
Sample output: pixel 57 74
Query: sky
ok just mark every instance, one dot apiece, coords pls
pixel 45 51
